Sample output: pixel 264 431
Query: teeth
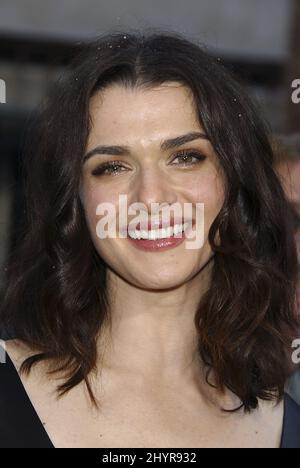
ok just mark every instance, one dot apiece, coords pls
pixel 158 233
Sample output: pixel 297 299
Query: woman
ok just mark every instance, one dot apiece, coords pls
pixel 125 342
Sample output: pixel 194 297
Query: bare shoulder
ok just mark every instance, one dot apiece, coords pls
pixel 18 351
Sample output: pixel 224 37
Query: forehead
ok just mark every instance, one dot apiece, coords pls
pixel 137 112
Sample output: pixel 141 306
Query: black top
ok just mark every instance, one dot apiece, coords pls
pixel 20 426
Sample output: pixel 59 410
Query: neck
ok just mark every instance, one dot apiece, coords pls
pixel 152 332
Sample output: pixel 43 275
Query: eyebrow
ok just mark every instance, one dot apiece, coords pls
pixel 164 146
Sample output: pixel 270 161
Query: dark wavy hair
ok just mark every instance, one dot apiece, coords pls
pixel 56 297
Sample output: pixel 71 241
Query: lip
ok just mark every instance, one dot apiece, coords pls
pixel 159 245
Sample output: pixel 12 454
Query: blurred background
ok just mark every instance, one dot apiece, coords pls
pixel 258 39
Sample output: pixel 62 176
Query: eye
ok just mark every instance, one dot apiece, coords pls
pixel 189 158
pixel 108 168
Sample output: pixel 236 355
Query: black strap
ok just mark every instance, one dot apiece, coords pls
pixel 291 424
pixel 20 426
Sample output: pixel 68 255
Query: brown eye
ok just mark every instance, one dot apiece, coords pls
pixel 108 169
pixel 189 158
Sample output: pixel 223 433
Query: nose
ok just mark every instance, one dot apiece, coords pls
pixel 153 186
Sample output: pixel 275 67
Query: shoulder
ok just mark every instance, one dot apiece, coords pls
pixel 13 354
pixel 292 400
pixel 293 387
pixel 13 404
pixel 17 351
pixel 291 428
pixel 19 423
pixel 292 409
pixel 35 382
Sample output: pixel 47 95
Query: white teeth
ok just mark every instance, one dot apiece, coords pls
pixel 158 233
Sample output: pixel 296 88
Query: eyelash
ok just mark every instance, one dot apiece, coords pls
pixel 111 166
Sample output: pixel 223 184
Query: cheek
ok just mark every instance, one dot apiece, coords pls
pixel 209 190
pixel 93 196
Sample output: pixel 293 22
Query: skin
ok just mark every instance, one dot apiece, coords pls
pixel 150 383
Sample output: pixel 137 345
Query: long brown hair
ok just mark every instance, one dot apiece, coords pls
pixel 56 297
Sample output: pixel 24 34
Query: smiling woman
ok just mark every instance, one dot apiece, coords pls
pixel 153 346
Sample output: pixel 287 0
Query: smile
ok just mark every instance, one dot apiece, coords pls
pixel 158 233
pixel 160 239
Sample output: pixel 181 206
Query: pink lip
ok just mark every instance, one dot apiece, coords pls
pixel 156 245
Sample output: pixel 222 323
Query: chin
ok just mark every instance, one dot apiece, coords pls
pixel 162 280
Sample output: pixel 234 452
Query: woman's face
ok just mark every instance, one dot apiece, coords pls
pixel 140 120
